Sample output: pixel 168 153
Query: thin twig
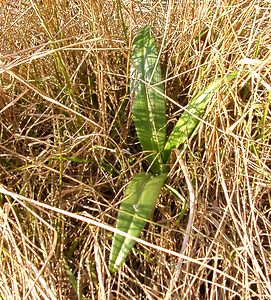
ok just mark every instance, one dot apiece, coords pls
pixel 188 227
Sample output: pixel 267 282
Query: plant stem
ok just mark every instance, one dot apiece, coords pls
pixel 188 227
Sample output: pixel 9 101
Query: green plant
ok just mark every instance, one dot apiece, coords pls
pixel 149 117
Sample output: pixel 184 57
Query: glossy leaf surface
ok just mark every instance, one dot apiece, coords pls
pixel 190 117
pixel 139 202
pixel 148 97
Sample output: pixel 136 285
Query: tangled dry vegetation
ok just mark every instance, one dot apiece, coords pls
pixel 68 148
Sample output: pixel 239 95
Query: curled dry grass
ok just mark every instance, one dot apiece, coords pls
pixel 67 140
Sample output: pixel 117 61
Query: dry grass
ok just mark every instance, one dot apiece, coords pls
pixel 67 141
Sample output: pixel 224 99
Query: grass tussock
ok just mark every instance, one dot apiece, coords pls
pixel 68 148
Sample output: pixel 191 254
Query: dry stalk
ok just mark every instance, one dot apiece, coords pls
pixel 178 268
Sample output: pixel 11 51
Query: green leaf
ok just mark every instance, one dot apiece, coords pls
pixel 190 117
pixel 139 202
pixel 148 97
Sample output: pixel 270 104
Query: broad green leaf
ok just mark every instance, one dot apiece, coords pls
pixel 139 202
pixel 190 117
pixel 148 100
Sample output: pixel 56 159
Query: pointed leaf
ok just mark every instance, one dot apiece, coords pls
pixel 139 202
pixel 190 117
pixel 148 100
